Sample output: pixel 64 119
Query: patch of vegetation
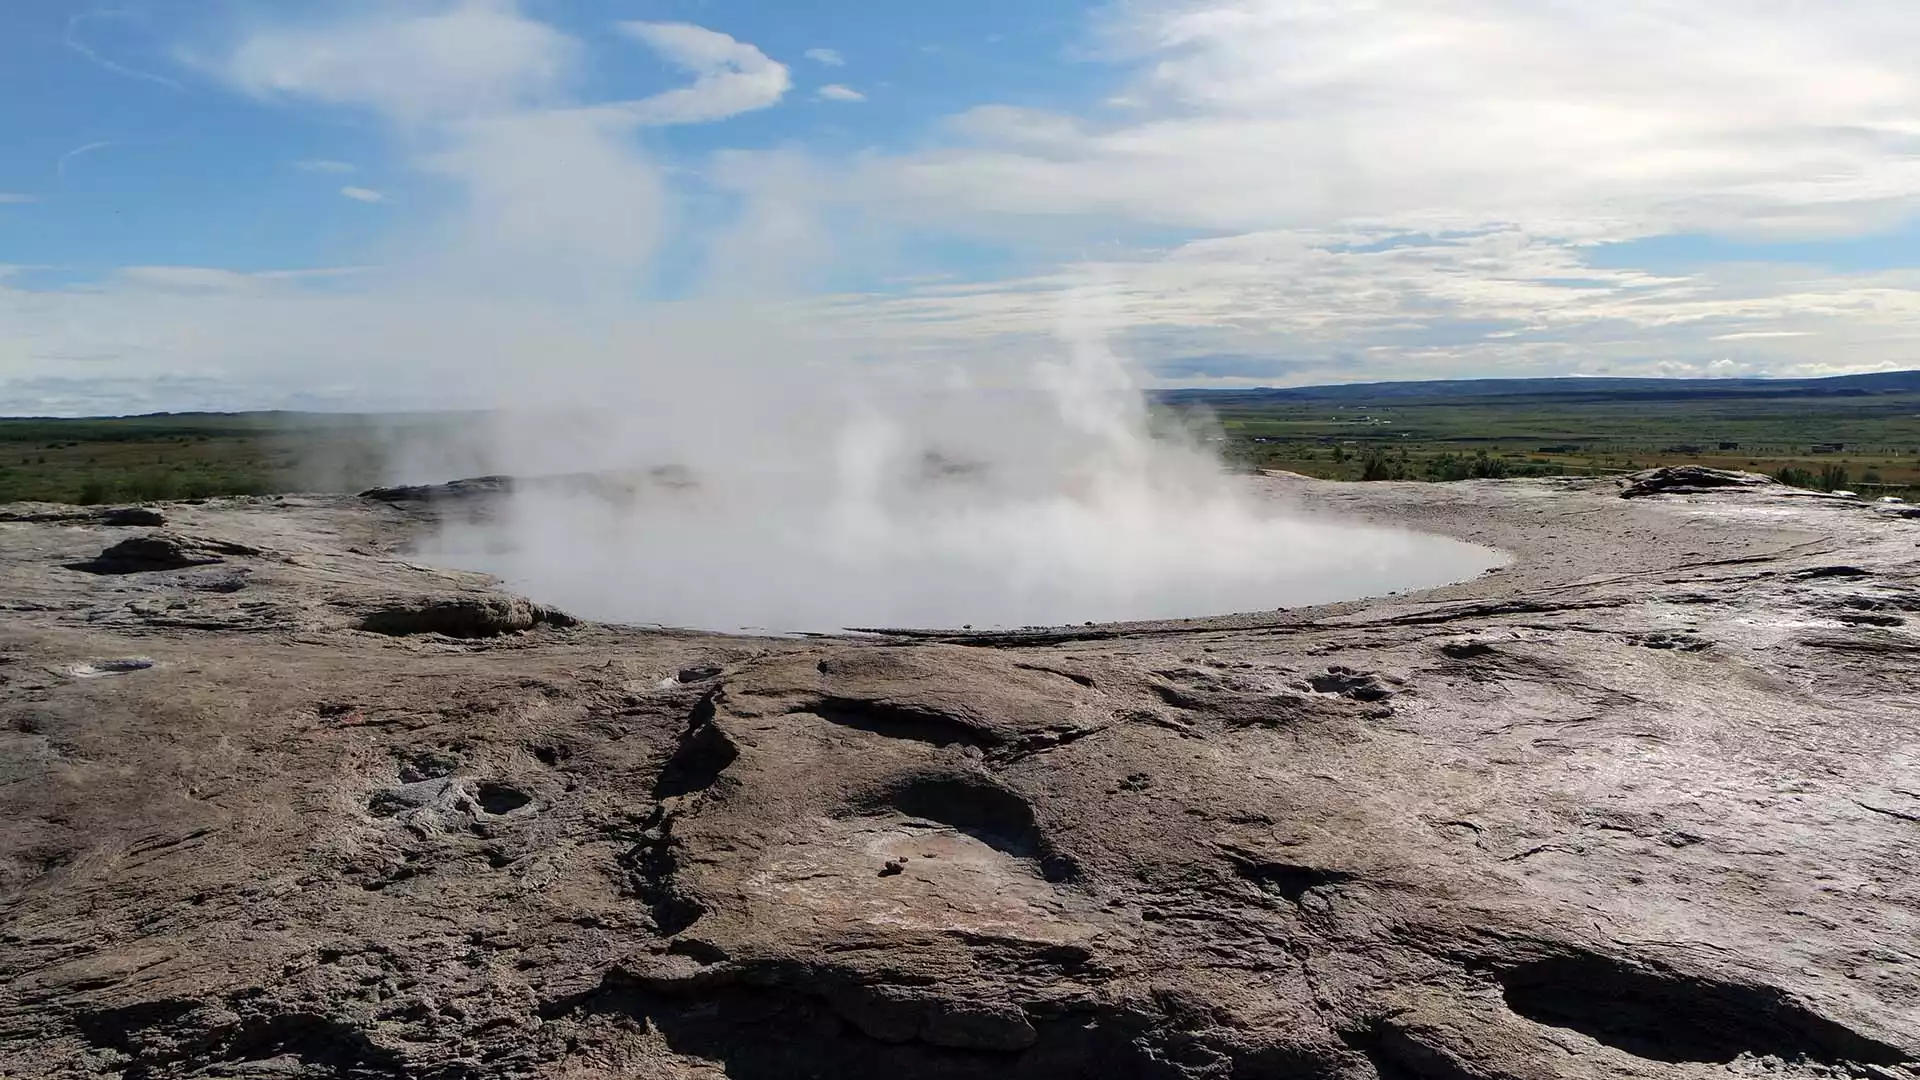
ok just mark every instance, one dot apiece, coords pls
pixel 1858 432
pixel 181 456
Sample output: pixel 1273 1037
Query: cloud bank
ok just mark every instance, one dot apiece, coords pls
pixel 1394 189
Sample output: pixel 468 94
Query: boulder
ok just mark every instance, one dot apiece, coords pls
pixel 1689 479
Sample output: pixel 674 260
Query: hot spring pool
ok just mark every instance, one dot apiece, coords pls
pixel 1052 563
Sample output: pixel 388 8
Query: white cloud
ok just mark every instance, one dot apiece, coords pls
pixel 836 92
pixel 1308 142
pixel 829 57
pixel 360 194
pixel 205 278
pixel 322 165
pixel 1598 120
pixel 16 197
pixel 1295 307
pixel 730 77
pixel 466 59
pixel 186 278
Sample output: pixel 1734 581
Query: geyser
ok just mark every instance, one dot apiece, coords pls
pixel 1065 503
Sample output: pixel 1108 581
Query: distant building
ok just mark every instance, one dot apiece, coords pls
pixel 1829 447
pixel 1729 446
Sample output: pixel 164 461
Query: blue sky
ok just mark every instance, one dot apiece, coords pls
pixel 256 202
pixel 168 167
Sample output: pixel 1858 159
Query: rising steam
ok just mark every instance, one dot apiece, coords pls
pixel 889 503
pixel 751 454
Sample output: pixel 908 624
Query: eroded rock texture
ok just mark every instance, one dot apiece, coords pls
pixel 277 802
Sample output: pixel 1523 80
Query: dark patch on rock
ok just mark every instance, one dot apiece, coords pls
pixel 1675 640
pixel 464 617
pixel 972 804
pixel 704 753
pixel 158 1038
pixel 1663 1015
pixel 161 551
pixel 132 515
pixel 479 487
pixel 1689 479
pixel 1348 683
pixel 1818 572
pixel 1398 1053
pixel 500 799
pixel 1291 880
pixel 903 720
pixel 415 765
pixel 1868 618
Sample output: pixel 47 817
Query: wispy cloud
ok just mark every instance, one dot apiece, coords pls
pixel 323 165
pixel 17 197
pixel 361 194
pixel 730 77
pixel 1602 121
pixel 74 42
pixel 199 278
pixel 837 92
pixel 1384 190
pixel 68 158
pixel 829 57
pixel 469 60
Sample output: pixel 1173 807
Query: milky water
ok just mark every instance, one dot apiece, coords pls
pixel 719 560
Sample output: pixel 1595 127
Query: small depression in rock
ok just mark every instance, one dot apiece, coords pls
pixel 697 558
pixel 101 668
pixel 501 798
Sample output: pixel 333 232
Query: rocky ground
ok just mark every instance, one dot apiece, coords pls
pixel 276 802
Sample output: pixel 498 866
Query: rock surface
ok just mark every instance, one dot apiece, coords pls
pixel 1645 803
pixel 1688 479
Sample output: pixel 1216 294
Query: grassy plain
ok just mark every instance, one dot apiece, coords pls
pixel 183 456
pixel 1866 438
pixel 1859 432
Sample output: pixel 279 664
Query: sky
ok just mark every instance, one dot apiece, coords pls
pixel 358 203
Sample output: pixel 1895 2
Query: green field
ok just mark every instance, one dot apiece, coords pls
pixel 182 456
pixel 1857 432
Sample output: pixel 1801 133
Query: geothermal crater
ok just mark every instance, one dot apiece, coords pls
pixel 672 552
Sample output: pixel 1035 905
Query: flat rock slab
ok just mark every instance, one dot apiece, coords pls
pixel 277 801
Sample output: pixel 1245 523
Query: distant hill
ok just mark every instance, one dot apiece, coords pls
pixel 1567 390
